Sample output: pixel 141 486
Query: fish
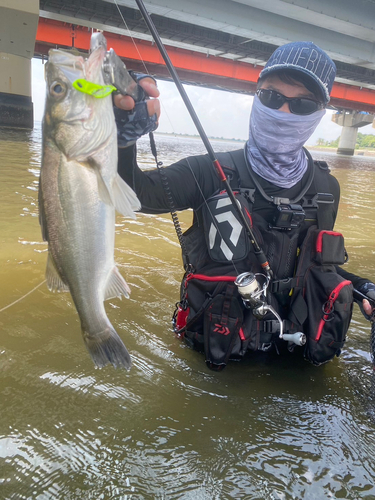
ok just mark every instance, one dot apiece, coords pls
pixel 79 193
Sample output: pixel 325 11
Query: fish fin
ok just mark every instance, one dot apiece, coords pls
pixel 119 194
pixel 103 189
pixel 42 213
pixel 107 347
pixel 116 286
pixel 54 281
pixel 126 201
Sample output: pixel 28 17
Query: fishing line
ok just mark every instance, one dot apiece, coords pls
pixel 132 39
pixel 215 223
pixel 21 298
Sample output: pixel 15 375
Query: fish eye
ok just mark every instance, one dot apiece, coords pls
pixel 57 89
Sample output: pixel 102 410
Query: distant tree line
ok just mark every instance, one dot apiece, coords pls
pixel 183 134
pixel 363 141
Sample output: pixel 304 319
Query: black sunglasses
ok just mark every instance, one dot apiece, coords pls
pixel 297 105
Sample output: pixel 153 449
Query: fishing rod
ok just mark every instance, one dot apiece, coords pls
pixel 361 296
pixel 215 162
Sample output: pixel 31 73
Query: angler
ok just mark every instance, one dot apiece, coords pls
pixel 299 297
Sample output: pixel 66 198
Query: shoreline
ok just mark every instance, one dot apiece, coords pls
pixel 326 149
pixel 357 152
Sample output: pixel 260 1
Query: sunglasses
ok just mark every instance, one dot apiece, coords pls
pixel 297 105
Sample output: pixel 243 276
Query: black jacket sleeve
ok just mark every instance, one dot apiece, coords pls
pixel 356 280
pixel 189 181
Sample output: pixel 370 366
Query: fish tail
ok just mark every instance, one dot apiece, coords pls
pixel 106 347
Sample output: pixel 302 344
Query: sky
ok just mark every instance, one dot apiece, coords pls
pixel 222 114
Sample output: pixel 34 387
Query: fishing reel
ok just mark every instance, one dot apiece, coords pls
pixel 253 290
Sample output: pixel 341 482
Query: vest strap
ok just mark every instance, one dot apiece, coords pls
pixel 273 326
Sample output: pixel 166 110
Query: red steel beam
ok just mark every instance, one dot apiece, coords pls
pixel 192 66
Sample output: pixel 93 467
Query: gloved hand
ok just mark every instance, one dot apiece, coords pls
pixel 367 289
pixel 136 119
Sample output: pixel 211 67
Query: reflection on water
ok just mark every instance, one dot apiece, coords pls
pixel 169 428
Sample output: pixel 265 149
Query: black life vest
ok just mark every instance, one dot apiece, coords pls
pixel 211 315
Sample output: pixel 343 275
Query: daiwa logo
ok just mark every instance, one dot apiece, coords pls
pixel 225 217
pixel 223 330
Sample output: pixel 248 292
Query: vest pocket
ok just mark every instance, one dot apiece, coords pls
pixel 322 300
pixel 211 317
pixel 221 329
pixel 329 248
pixel 329 299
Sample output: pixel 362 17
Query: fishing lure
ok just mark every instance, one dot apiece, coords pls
pixel 94 89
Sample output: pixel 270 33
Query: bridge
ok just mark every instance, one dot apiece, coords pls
pixel 216 43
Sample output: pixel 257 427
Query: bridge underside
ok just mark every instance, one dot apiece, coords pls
pixel 193 67
pixel 19 24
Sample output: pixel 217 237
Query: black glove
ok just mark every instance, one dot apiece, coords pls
pixel 367 289
pixel 131 125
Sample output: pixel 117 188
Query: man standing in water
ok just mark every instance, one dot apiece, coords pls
pixel 291 203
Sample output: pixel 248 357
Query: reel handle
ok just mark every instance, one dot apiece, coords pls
pixel 297 338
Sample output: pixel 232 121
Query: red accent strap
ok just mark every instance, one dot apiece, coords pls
pixel 328 306
pixel 335 292
pixel 319 240
pixel 224 191
pixel 203 277
pixel 320 329
pixel 241 334
pixel 181 319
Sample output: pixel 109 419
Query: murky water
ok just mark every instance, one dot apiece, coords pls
pixel 169 428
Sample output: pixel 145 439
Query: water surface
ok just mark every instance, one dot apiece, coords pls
pixel 169 428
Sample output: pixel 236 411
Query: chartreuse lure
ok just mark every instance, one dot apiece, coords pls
pixel 93 89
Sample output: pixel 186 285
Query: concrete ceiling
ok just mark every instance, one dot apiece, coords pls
pixel 245 30
pixel 19 22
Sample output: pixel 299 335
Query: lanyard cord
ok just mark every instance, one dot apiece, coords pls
pixel 169 197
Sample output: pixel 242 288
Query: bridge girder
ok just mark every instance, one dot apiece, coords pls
pixel 246 30
pixel 193 68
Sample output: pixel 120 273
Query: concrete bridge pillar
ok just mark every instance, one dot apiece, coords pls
pixel 350 121
pixel 19 22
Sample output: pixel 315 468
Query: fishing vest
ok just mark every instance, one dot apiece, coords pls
pixel 302 249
